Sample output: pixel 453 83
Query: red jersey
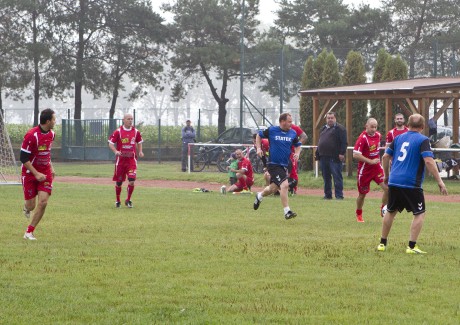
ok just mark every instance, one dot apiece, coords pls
pixel 245 164
pixel 368 146
pixel 392 134
pixel 125 141
pixel 38 145
pixel 265 146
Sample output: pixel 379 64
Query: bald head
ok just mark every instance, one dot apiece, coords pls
pixel 371 126
pixel 416 122
pixel 128 120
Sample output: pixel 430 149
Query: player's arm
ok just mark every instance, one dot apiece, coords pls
pixel 139 149
pixel 386 161
pixel 260 153
pixel 359 157
pixel 430 165
pixel 25 159
pixel 114 150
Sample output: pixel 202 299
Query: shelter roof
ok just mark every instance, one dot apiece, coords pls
pixel 409 86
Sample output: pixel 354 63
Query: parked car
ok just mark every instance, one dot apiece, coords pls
pixel 233 135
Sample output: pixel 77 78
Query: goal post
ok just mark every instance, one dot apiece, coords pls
pixel 9 170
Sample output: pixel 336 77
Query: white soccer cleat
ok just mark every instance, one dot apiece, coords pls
pixel 29 236
pixel 26 212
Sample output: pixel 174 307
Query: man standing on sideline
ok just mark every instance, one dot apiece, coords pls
pixel 293 175
pixel 367 152
pixel 37 170
pixel 124 142
pixel 281 139
pixel 332 147
pixel 410 153
pixel 400 128
pixel 188 136
pixel 244 174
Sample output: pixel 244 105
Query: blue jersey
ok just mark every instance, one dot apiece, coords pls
pixel 280 144
pixel 408 167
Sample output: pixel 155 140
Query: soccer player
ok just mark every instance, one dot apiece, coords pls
pixel 400 128
pixel 410 154
pixel 293 175
pixel 366 151
pixel 244 174
pixel 124 142
pixel 37 169
pixel 281 139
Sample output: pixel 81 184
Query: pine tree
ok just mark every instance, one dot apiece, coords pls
pixel 306 109
pixel 354 73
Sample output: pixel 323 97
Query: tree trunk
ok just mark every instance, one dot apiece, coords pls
pixel 36 73
pixel 79 75
pixel 114 98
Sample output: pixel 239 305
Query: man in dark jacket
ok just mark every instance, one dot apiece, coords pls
pixel 188 136
pixel 332 146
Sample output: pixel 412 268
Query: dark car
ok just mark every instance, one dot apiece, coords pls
pixel 233 135
pixel 210 155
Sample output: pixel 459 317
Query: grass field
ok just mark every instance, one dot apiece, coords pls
pixel 194 258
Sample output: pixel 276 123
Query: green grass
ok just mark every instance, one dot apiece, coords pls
pixel 171 171
pixel 194 258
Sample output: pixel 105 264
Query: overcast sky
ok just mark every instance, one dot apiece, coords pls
pixel 268 7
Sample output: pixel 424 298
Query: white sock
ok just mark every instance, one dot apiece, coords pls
pixel 259 196
pixel 286 210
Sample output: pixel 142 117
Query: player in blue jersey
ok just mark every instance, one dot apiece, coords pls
pixel 410 154
pixel 281 139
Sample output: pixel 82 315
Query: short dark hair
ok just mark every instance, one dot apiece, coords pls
pixel 284 116
pixel 46 115
pixel 332 113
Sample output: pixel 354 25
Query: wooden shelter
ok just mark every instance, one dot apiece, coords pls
pixel 413 96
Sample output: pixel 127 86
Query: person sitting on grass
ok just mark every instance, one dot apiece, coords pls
pixel 244 174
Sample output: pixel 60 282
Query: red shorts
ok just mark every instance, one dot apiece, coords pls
pixel 31 186
pixel 125 168
pixel 240 185
pixel 367 175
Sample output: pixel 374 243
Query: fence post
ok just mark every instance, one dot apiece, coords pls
pixel 134 117
pixel 159 140
pixel 199 125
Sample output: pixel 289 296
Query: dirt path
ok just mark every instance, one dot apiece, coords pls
pixel 216 187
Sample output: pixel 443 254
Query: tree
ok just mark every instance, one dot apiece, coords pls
pixel 354 73
pixel 208 43
pixel 378 105
pixel 133 48
pixel 306 107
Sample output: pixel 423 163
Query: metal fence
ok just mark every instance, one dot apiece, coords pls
pixel 87 139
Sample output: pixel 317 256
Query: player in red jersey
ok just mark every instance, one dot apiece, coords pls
pixel 124 142
pixel 37 169
pixel 244 174
pixel 366 151
pixel 399 129
pixel 293 175
pixel 265 146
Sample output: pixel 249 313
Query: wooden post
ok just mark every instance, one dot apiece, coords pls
pixel 349 126
pixel 455 124
pixel 388 114
pixel 315 126
pixel 423 109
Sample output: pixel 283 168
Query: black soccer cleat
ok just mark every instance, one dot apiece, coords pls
pixel 290 214
pixel 256 202
pixel 129 204
pixel 117 204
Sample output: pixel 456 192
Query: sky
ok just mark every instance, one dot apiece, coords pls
pixel 268 7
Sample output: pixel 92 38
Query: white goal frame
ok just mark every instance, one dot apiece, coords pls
pixel 9 170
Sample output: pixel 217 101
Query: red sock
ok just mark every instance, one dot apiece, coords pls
pixel 118 192
pixel 130 192
pixel 359 212
pixel 30 228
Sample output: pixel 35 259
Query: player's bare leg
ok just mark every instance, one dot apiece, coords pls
pixel 384 195
pixel 39 211
pixel 416 226
pixel 284 187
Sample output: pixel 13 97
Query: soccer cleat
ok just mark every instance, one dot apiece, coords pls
pixel 381 247
pixel 245 192
pixel 256 202
pixel 129 204
pixel 290 214
pixel 414 250
pixel 29 236
pixel 117 204
pixel 359 218
pixel 26 212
